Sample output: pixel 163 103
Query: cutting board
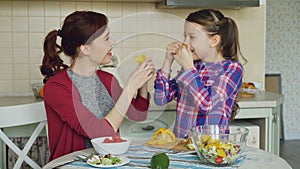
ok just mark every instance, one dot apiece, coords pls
pixel 178 146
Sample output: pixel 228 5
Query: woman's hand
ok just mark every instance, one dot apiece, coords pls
pixel 184 57
pixel 141 75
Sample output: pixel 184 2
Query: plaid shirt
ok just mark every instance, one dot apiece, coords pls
pixel 205 94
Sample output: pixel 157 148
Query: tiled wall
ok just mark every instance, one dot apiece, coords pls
pixel 283 56
pixel 137 27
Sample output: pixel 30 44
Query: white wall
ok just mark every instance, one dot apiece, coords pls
pixel 283 56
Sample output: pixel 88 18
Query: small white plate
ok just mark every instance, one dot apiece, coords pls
pixel 123 159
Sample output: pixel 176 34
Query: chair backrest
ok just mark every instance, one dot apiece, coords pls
pixel 19 115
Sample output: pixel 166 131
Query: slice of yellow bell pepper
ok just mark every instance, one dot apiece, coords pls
pixel 162 136
pixel 159 131
pixel 140 59
pixel 170 134
pixel 221 152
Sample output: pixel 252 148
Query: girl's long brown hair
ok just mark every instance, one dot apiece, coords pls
pixel 79 28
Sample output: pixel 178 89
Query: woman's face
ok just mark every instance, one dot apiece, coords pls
pixel 100 48
pixel 198 40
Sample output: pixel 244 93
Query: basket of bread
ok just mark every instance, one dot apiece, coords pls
pixel 248 90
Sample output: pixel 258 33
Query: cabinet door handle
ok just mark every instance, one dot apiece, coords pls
pixel 274 117
pixel 253 140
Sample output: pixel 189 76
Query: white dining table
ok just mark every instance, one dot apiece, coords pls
pixel 140 157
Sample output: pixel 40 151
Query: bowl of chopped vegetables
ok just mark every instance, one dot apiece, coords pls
pixel 114 145
pixel 219 145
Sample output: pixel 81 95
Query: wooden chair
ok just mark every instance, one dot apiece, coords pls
pixel 19 115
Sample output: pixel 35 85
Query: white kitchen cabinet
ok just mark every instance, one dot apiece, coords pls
pixel 264 110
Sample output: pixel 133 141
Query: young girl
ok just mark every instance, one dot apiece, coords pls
pixel 211 76
pixel 82 102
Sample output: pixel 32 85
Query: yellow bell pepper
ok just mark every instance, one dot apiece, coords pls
pixel 221 152
pixel 158 132
pixel 140 59
pixel 162 136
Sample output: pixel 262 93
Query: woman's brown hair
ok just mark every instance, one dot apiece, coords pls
pixel 79 28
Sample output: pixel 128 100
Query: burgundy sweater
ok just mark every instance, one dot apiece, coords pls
pixel 70 122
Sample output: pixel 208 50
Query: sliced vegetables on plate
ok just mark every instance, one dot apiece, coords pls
pixel 107 161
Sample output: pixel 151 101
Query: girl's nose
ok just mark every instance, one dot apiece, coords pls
pixel 186 41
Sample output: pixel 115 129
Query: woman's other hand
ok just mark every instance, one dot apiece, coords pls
pixel 141 75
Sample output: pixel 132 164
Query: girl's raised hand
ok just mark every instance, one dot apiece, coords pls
pixel 172 50
pixel 184 57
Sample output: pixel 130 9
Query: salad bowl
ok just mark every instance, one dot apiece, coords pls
pixel 219 145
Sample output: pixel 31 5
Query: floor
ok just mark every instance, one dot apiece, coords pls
pixel 290 151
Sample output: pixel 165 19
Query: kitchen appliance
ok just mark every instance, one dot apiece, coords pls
pixel 207 3
pixel 253 135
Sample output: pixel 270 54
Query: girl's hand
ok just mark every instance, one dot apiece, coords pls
pixel 184 57
pixel 141 75
pixel 172 50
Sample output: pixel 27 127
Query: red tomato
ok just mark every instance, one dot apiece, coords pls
pixel 107 140
pixel 219 160
pixel 116 137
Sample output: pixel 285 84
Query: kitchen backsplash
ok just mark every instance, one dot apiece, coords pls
pixel 137 28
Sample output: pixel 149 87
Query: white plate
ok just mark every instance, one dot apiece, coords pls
pixel 123 159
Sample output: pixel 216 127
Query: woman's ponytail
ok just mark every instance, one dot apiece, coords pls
pixel 52 62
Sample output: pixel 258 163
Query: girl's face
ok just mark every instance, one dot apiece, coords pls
pixel 100 48
pixel 197 38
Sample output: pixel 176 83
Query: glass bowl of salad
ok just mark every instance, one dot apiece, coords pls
pixel 219 145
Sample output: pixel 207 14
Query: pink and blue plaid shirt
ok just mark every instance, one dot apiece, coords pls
pixel 204 94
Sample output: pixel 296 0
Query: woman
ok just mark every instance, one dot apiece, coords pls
pixel 81 101
pixel 211 76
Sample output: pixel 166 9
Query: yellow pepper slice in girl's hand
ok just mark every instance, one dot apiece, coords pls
pixel 162 137
pixel 140 59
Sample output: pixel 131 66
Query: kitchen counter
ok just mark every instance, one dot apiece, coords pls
pixel 260 100
pixel 18 100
